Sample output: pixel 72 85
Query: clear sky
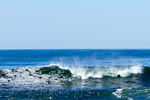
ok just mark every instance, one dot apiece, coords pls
pixel 74 24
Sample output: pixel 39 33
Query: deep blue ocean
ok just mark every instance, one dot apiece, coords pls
pixel 75 74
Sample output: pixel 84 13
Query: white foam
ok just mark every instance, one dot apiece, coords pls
pixel 30 76
pixel 21 77
pixel 100 72
pixel 118 93
pixel 130 98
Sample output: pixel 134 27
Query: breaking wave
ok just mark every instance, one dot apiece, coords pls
pixel 69 72
pixel 60 76
pixel 76 72
pixel 101 72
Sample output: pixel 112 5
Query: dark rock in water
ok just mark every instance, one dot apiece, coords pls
pixel 118 76
pixel 27 70
pixel 55 71
pixel 13 70
pixel 40 77
pixel 146 71
pixel 15 75
pixel 2 74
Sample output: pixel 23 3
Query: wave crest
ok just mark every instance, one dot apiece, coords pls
pixel 60 76
pixel 78 72
pixel 100 72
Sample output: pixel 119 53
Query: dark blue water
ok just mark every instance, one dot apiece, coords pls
pixel 75 74
pixel 20 58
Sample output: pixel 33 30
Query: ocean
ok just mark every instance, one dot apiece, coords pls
pixel 75 74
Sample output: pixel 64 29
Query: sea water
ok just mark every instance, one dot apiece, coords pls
pixel 75 74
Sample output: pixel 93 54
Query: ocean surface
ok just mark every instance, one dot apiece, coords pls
pixel 75 74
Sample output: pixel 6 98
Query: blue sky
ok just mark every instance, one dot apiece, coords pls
pixel 74 24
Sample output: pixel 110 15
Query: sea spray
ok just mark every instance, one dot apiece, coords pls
pixel 100 72
pixel 57 76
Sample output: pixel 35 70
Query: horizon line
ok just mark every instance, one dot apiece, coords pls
pixel 80 49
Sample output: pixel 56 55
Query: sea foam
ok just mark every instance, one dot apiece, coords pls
pixel 55 75
pixel 100 72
